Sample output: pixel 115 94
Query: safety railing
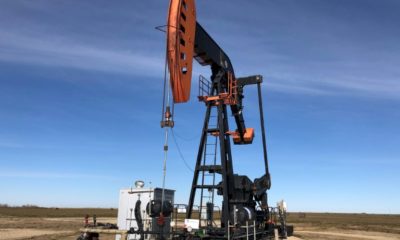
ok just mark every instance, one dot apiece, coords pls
pixel 204 87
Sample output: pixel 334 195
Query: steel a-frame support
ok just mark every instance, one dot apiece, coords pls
pixel 226 166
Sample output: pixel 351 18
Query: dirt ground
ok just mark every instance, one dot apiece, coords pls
pixel 45 224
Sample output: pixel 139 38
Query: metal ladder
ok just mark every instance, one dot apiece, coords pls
pixel 208 170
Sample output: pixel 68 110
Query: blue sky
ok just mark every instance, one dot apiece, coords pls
pixel 80 100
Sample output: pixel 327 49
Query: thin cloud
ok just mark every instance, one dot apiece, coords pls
pixel 331 61
pixel 330 78
pixel 52 51
pixel 50 175
pixel 297 89
pixel 297 54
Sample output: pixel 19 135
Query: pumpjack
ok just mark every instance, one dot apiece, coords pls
pixel 244 212
pixel 244 201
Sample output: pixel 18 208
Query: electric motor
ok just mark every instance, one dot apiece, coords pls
pixel 244 214
pixel 153 208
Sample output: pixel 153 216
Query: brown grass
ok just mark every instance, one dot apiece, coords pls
pixel 27 212
pixel 65 222
pixel 387 223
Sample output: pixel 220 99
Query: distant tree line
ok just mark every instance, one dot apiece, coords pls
pixel 2 205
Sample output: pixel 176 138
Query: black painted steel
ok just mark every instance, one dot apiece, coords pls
pixel 208 52
pixel 226 167
pixel 198 161
pixel 240 194
pixel 264 141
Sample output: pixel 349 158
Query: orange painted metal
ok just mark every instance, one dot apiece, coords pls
pixel 247 137
pixel 229 98
pixel 181 28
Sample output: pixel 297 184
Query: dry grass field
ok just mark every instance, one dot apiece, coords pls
pixel 48 223
pixel 54 223
pixel 345 226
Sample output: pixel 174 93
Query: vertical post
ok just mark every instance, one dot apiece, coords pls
pixel 229 237
pixel 264 141
pixel 254 229
pixel 276 234
pixel 247 230
pixel 224 164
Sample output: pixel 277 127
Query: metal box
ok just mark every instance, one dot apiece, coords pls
pixel 126 210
